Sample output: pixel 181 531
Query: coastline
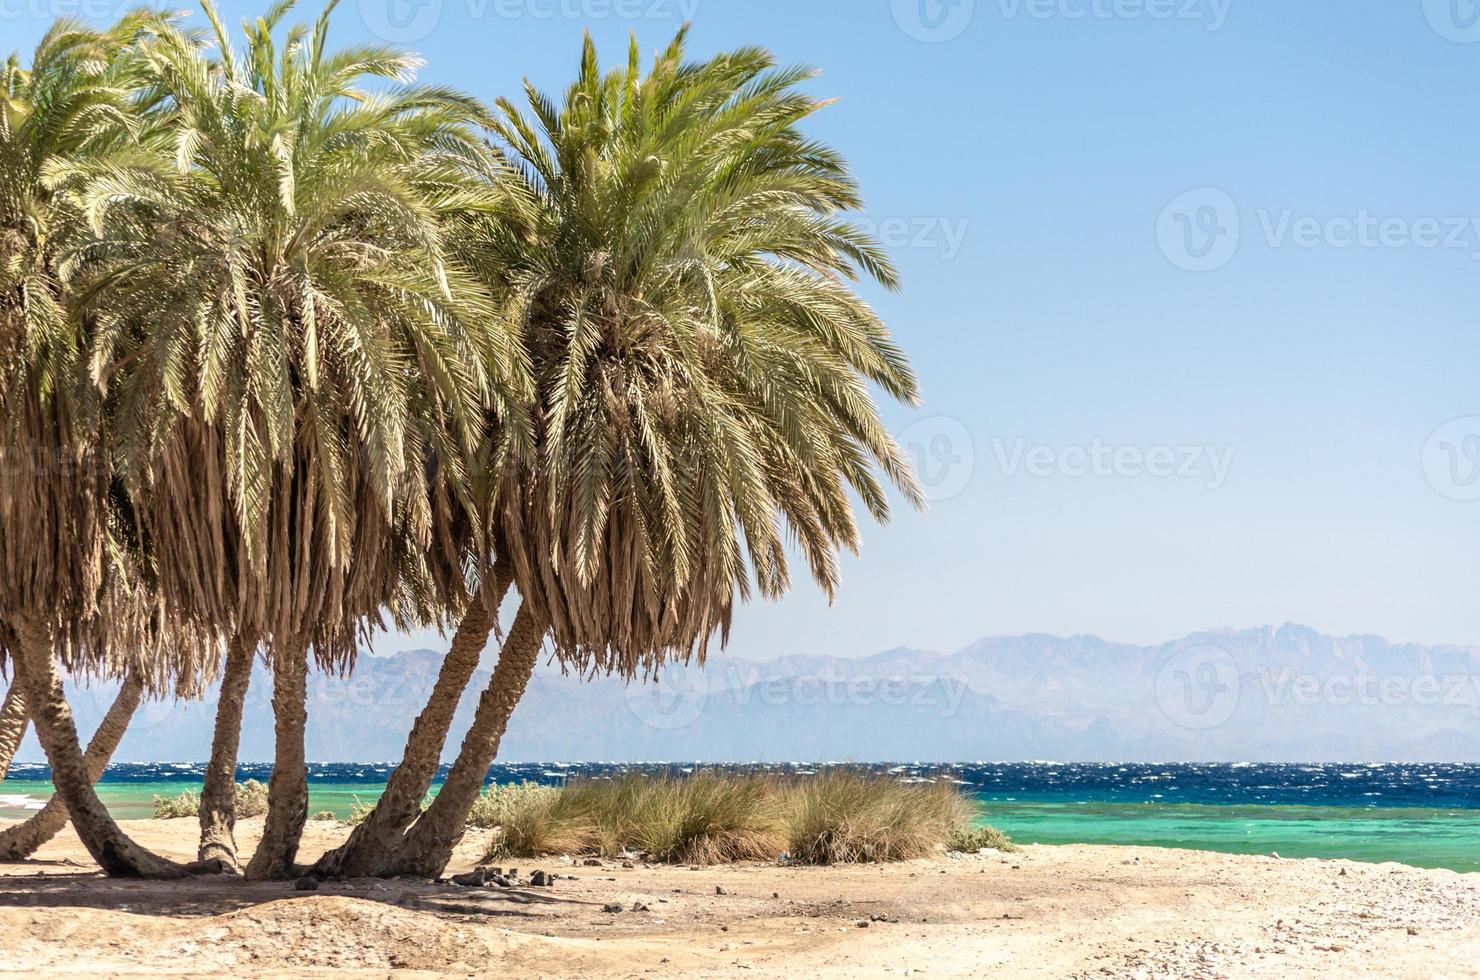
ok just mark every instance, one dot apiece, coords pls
pixel 1049 911
pixel 1421 815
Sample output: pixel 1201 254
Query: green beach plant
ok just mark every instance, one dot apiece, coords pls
pixel 970 840
pixel 837 817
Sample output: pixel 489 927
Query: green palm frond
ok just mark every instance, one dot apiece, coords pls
pixel 680 255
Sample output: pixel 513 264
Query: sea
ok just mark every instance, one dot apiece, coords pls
pixel 1417 814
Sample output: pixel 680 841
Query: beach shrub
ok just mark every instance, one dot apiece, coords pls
pixel 324 816
pixel 358 811
pixel 498 804
pixel 708 818
pixel 970 840
pixel 534 820
pixel 842 816
pixel 251 801
pixel 251 798
pixel 187 804
pixel 705 818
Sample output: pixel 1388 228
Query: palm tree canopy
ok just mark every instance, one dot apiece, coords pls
pixel 683 270
pixel 297 366
pixel 70 556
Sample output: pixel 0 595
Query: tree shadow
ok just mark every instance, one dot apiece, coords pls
pixel 211 895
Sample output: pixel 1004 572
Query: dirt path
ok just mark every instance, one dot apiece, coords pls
pixel 1047 912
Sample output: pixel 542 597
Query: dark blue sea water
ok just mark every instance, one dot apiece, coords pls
pixel 1425 815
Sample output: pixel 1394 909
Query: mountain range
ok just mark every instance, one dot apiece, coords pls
pixel 1286 694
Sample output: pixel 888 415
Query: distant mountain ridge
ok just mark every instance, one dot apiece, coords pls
pixel 1286 694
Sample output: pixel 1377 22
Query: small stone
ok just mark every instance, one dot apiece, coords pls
pixel 612 907
pixel 306 884
pixel 628 864
pixel 861 924
pixel 592 862
pixel 1341 873
pixel 1275 855
pixel 639 907
pixel 501 882
pixel 541 880
pixel 1413 930
pixel 775 894
pixel 720 890
pixel 473 879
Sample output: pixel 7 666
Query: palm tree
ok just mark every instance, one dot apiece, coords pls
pixel 12 727
pixel 683 280
pixel 73 577
pixel 217 811
pixel 19 842
pixel 297 365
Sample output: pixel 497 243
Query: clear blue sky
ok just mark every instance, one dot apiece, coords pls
pixel 1028 158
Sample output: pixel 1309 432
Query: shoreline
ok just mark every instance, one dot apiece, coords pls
pixel 1074 910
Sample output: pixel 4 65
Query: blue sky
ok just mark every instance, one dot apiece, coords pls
pixel 1119 444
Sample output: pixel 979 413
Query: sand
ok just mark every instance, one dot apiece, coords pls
pixel 1047 912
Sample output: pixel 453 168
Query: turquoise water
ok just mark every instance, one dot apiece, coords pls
pixel 1425 838
pixel 135 800
pixel 1422 815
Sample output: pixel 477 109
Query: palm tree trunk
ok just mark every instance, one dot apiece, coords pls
pixel 373 839
pixel 21 841
pixel 428 845
pixel 218 795
pixel 116 853
pixel 12 726
pixel 287 789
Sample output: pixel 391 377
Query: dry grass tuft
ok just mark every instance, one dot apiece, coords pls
pixel 846 817
pixel 710 818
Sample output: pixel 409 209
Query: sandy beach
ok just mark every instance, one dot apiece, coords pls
pixel 1047 911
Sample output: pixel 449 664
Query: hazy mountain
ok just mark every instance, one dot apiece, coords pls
pixel 1287 694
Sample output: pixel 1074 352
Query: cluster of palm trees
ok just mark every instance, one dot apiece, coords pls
pixel 294 348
